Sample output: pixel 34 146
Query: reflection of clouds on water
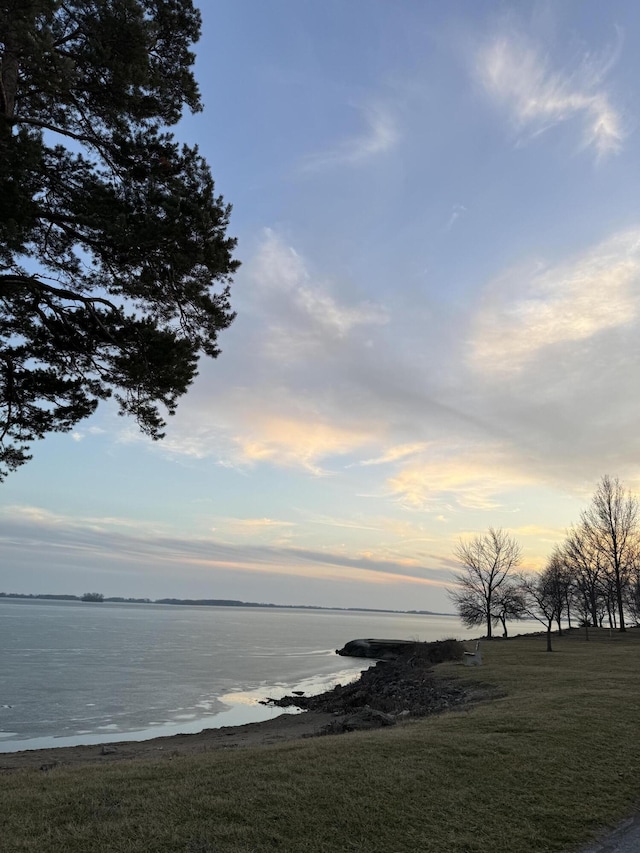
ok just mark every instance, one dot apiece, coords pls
pixel 309 686
pixel 239 698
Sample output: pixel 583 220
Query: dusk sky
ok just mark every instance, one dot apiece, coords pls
pixel 437 208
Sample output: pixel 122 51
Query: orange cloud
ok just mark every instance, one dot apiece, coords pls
pixel 300 442
pixel 458 478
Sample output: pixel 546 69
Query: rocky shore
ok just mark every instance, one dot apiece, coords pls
pixel 402 684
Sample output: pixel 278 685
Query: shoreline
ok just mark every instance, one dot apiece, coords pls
pixel 284 727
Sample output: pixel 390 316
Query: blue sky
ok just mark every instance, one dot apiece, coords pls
pixel 438 313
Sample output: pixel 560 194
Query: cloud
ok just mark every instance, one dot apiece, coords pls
pixel 456 213
pixel 504 408
pixel 254 528
pixel 256 433
pixel 253 524
pixel 81 434
pixel 454 476
pixel 46 518
pixel 323 310
pixel 518 75
pixel 525 313
pixel 336 522
pixel 280 273
pixel 528 392
pixel 380 136
pixel 537 531
pixel 301 442
pixel 553 361
pixel 286 399
pixel 32 532
pixel 395 453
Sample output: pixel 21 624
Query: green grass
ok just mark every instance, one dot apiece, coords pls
pixel 536 771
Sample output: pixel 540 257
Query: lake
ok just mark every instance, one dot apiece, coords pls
pixel 73 673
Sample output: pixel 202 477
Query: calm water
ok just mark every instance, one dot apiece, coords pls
pixel 80 673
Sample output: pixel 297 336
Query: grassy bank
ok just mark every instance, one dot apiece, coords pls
pixel 557 757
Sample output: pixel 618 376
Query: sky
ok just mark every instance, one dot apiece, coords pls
pixel 438 313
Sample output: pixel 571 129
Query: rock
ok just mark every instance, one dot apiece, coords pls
pixel 410 650
pixel 364 720
pixel 376 649
pixel 108 750
pixel 405 686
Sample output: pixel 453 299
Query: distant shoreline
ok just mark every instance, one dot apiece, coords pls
pixel 213 602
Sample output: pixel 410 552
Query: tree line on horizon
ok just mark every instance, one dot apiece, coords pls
pixel 591 578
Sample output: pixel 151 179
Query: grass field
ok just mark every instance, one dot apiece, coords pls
pixel 540 769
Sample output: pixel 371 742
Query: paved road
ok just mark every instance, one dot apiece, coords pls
pixel 625 838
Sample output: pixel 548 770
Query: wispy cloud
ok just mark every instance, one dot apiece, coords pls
pixel 340 523
pixel 323 309
pixel 525 313
pixel 457 211
pixel 396 453
pixel 381 134
pixel 80 434
pixel 306 303
pixel 252 527
pixel 519 75
pixel 46 518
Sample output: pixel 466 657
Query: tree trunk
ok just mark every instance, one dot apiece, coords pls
pixel 504 627
pixel 549 649
pixel 620 603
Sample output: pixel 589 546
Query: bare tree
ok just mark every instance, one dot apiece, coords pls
pixel 507 605
pixel 541 598
pixel 633 593
pixel 558 582
pixel 611 524
pixel 487 561
pixel 470 609
pixel 583 561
